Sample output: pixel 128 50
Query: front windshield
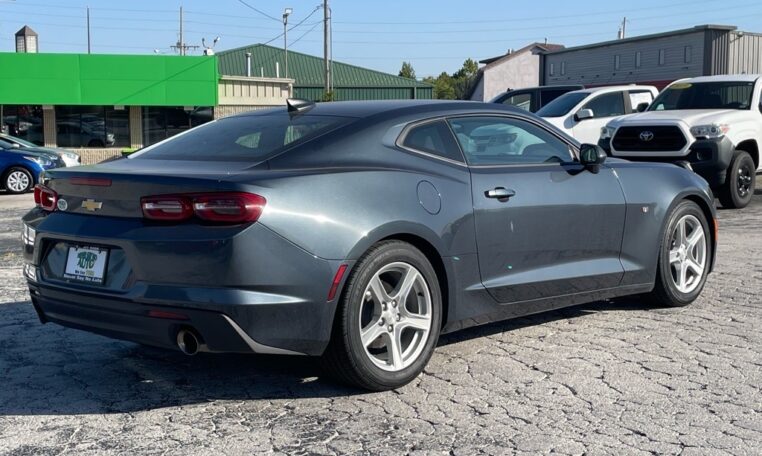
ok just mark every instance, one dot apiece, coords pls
pixel 562 105
pixel 704 95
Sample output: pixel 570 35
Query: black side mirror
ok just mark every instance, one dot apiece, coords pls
pixel 592 156
pixel 642 107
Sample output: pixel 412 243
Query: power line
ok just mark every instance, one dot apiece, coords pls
pixel 258 11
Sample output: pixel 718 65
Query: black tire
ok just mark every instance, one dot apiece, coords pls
pixel 96 143
pixel 346 358
pixel 740 182
pixel 666 292
pixel 16 172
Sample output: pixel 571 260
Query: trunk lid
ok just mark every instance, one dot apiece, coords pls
pixel 115 188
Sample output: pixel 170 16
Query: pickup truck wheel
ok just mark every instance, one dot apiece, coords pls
pixel 684 257
pixel 740 183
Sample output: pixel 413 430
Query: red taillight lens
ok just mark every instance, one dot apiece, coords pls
pixel 172 208
pixel 45 198
pixel 222 207
pixel 92 181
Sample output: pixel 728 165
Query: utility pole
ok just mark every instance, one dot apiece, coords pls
pixel 286 12
pixel 326 45
pixel 624 27
pixel 88 29
pixel 182 40
pixel 181 47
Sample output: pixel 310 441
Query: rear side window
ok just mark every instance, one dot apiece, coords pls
pixel 520 100
pixel 606 105
pixel 548 95
pixel 242 138
pixel 433 138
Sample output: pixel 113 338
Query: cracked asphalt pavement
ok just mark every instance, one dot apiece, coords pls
pixel 602 378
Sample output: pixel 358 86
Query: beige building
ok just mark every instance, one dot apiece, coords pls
pixel 514 70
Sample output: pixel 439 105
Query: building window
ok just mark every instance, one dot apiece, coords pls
pixel 661 56
pixel 688 54
pixel 563 68
pixel 552 69
pixel 617 62
pixel 160 122
pixel 637 59
pixel 23 121
pixel 92 126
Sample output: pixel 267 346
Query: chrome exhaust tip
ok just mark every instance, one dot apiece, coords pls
pixel 187 342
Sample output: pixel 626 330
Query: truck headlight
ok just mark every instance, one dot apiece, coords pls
pixel 607 132
pixel 711 131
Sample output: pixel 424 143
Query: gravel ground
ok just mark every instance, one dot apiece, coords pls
pixel 602 378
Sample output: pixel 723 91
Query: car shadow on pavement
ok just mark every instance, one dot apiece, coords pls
pixel 51 370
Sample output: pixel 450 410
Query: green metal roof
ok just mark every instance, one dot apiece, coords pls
pixel 101 79
pixel 306 70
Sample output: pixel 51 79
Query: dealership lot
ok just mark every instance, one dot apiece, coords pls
pixel 599 378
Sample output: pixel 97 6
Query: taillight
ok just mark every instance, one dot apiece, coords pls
pixel 222 207
pixel 91 181
pixel 45 198
pixel 167 208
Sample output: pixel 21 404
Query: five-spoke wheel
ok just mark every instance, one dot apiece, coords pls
pixel 684 256
pixel 388 318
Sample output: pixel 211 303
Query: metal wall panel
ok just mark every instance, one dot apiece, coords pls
pixel 745 53
pixel 596 65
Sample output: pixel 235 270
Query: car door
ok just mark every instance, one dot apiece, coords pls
pixel 604 106
pixel 545 227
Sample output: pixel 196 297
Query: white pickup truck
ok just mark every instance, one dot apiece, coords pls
pixel 712 122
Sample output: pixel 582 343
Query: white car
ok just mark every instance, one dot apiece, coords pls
pixel 582 113
pixel 712 122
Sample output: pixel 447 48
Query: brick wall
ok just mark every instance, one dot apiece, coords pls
pixel 92 156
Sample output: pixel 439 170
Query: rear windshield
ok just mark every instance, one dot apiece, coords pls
pixel 562 105
pixel 242 138
pixel 704 95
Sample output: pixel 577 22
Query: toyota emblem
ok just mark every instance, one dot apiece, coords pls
pixel 646 135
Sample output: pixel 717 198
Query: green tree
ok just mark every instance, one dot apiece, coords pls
pixel 464 79
pixel 443 87
pixel 407 70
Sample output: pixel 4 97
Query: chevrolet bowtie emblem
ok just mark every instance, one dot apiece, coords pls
pixel 91 205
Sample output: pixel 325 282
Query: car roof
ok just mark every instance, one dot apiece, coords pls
pixel 614 88
pixel 724 77
pixel 362 109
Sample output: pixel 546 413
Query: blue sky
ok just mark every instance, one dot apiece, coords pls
pixel 435 36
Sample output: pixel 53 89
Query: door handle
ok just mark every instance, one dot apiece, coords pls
pixel 500 193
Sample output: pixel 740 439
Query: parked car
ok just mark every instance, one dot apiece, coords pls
pixel 583 113
pixel 77 134
pixel 359 231
pixel 712 122
pixel 70 158
pixel 20 168
pixel 533 98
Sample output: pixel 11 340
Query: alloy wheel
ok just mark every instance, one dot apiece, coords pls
pixel 395 316
pixel 744 181
pixel 687 254
pixel 17 181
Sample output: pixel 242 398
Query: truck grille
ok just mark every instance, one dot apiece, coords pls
pixel 662 139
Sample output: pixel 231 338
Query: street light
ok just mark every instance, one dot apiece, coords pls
pixel 286 12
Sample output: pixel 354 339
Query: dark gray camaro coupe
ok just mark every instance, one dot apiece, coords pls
pixel 359 231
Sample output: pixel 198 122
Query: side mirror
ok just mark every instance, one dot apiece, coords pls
pixel 592 156
pixel 584 114
pixel 642 107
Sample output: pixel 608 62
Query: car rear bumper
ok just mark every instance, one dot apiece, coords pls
pixel 245 290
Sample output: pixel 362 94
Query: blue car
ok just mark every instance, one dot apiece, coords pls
pixel 20 168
